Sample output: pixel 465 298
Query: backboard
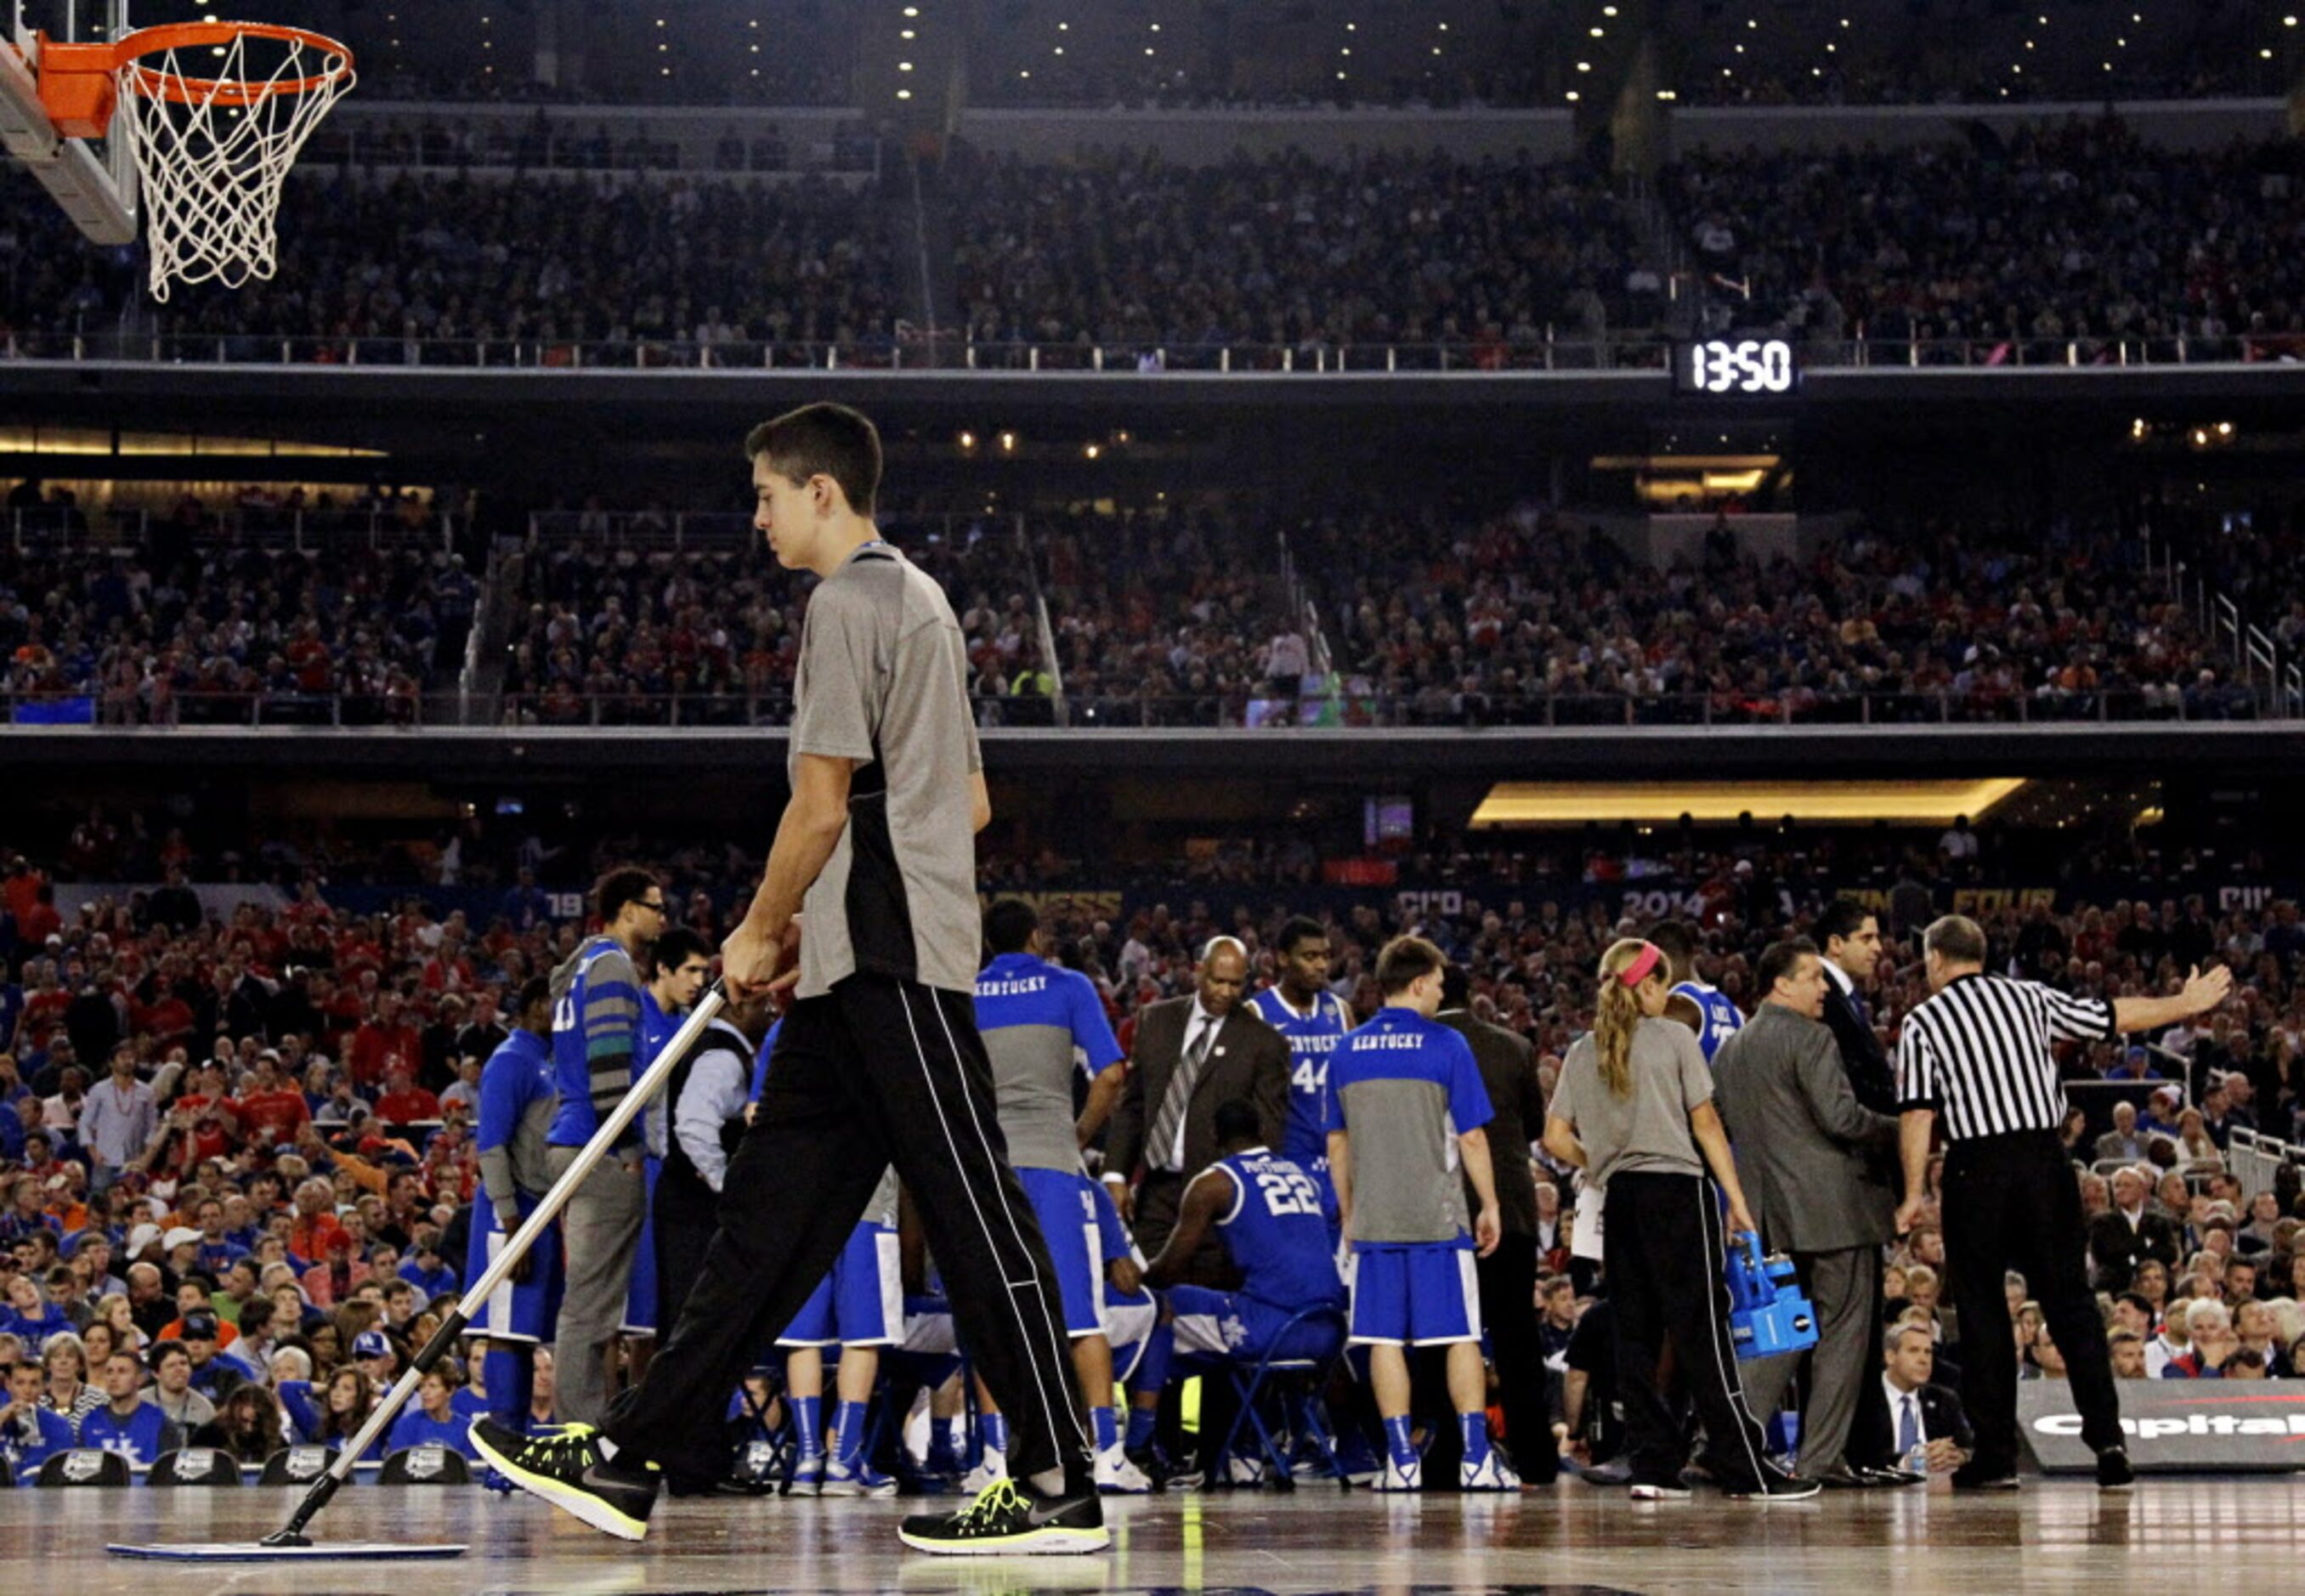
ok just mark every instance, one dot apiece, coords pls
pixel 92 180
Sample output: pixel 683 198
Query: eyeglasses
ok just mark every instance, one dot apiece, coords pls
pixel 656 904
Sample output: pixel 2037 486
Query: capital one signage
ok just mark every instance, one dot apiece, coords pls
pixel 2174 1426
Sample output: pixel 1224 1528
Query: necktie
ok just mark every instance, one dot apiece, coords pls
pixel 1179 1098
pixel 1909 1426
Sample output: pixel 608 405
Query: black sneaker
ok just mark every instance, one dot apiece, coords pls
pixel 1776 1486
pixel 1006 1520
pixel 2114 1471
pixel 1970 1476
pixel 564 1465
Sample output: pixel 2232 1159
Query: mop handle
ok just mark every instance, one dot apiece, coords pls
pixel 475 1299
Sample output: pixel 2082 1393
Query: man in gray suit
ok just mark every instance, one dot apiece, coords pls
pixel 1801 1138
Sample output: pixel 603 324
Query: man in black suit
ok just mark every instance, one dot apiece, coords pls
pixel 1916 1413
pixel 1508 1276
pixel 1849 934
pixel 2127 1234
pixel 1191 1053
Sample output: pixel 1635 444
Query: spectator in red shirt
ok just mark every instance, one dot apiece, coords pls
pixel 403 1102
pixel 315 1228
pixel 273 1111
pixel 385 1043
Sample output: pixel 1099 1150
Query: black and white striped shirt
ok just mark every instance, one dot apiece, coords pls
pixel 1979 1053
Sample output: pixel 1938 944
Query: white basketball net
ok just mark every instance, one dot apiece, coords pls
pixel 211 167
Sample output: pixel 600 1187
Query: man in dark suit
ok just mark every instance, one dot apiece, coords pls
pixel 1508 1276
pixel 1849 936
pixel 1916 1414
pixel 1803 1142
pixel 1190 1054
pixel 2127 1234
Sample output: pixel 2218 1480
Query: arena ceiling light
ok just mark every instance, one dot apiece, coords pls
pixel 1530 803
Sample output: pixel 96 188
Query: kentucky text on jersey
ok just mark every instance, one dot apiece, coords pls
pixel 1039 1022
pixel 1311 1038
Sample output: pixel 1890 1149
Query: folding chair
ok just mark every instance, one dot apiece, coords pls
pixel 195 1466
pixel 428 1465
pixel 297 1465
pixel 83 1465
pixel 1298 1382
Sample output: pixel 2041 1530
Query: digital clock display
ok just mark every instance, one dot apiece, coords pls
pixel 1736 366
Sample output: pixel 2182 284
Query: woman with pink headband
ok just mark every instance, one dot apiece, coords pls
pixel 1633 1108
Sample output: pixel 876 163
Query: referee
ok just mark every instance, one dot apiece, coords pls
pixel 877 1060
pixel 1978 1052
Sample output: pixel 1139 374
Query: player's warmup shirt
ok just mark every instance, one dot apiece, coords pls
pixel 1313 1036
pixel 1404 1087
pixel 1041 1021
pixel 883 681
pixel 596 1016
pixel 518 1105
pixel 1723 1018
pixel 1277 1230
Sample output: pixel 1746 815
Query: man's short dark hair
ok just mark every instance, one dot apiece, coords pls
pixel 160 1351
pixel 1301 928
pixel 1010 925
pixel 535 989
pixel 1456 987
pixel 1843 918
pixel 1779 960
pixel 625 884
pixel 1237 1121
pixel 1677 940
pixel 1958 938
pixel 828 440
pixel 1405 960
pixel 679 944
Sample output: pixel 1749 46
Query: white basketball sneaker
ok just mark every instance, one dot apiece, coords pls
pixel 995 1466
pixel 1488 1474
pixel 1117 1476
pixel 1396 1477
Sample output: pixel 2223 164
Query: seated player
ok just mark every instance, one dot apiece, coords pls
pixel 1274 1220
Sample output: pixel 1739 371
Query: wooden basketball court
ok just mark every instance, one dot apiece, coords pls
pixel 1566 1538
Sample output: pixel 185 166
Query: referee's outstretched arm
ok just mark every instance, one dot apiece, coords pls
pixel 2203 992
pixel 1920 1070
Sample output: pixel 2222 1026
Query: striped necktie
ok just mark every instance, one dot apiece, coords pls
pixel 1179 1098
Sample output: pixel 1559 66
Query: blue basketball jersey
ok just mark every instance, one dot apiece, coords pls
pixel 1311 1038
pixel 1723 1018
pixel 1278 1231
pixel 598 1014
pixel 517 1078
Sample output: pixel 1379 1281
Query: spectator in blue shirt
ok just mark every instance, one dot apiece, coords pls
pixel 30 1317
pixel 30 1434
pixel 127 1424
pixel 426 1269
pixel 434 1422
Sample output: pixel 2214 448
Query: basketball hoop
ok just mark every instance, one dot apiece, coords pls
pixel 214 115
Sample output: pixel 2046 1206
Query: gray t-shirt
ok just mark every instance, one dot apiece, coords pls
pixel 883 680
pixel 1648 1128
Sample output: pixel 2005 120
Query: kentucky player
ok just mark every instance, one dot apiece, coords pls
pixel 1300 1006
